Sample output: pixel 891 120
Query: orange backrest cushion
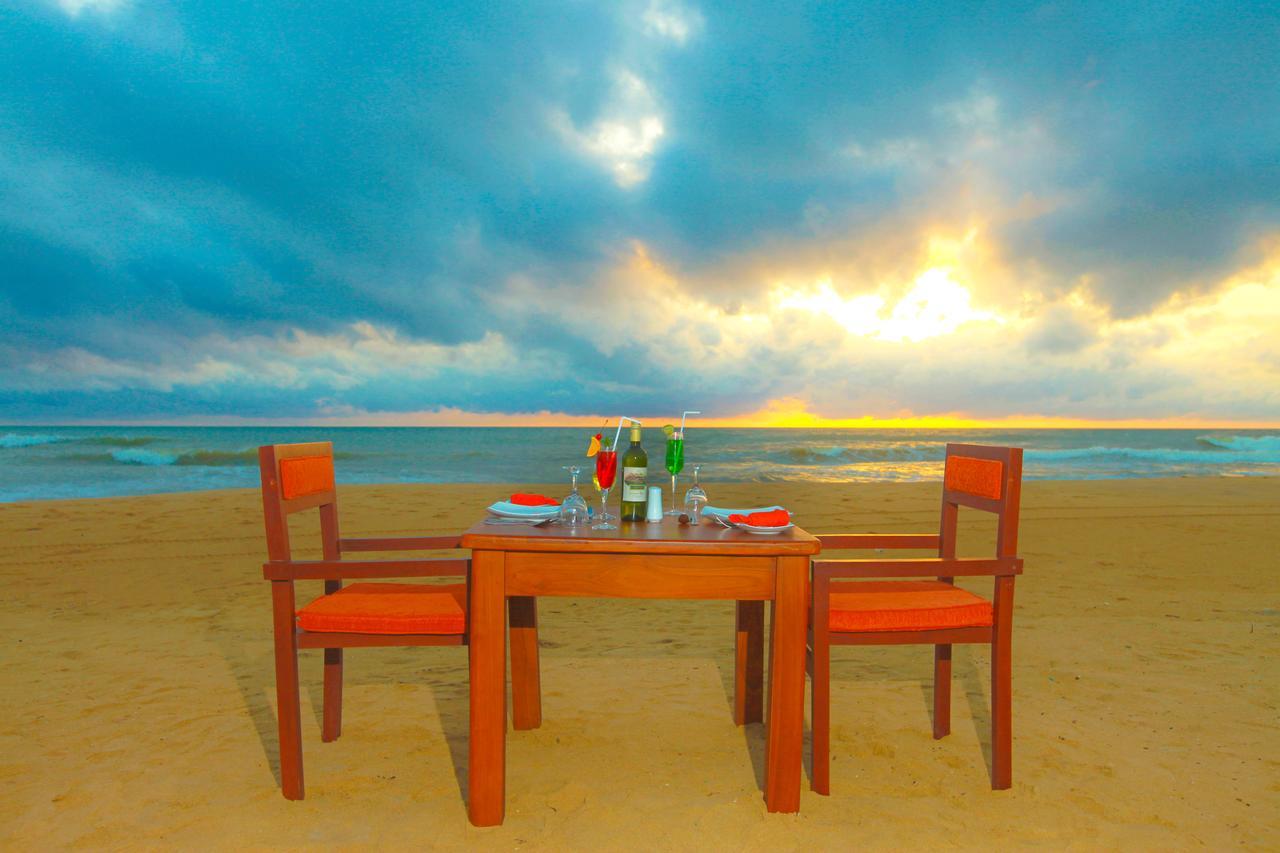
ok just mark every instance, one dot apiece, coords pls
pixel 983 478
pixel 305 475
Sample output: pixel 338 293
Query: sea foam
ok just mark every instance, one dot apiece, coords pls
pixel 14 439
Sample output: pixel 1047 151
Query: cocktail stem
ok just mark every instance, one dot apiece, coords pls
pixel 673 493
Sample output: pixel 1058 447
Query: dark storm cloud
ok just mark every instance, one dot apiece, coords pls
pixel 230 169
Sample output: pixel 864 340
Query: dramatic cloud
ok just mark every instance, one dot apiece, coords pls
pixel 836 211
pixel 625 138
pixel 75 7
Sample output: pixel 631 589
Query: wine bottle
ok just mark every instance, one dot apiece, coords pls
pixel 635 468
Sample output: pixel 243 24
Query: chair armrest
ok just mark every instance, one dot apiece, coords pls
pixel 401 543
pixel 283 570
pixel 850 541
pixel 930 567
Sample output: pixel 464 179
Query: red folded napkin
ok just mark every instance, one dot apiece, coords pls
pixel 532 500
pixel 772 518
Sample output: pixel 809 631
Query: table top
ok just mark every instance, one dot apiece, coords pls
pixel 640 537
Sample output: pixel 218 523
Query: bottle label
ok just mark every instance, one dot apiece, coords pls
pixel 633 484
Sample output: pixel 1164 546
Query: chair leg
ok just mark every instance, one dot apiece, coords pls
pixel 288 706
pixel 1002 687
pixel 941 690
pixel 821 713
pixel 332 726
pixel 1001 716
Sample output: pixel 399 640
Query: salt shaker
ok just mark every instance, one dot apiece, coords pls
pixel 653 511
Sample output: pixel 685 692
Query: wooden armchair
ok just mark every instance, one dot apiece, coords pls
pixel 862 612
pixel 298 477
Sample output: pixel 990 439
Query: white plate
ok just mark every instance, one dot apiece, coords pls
pixel 503 509
pixel 720 512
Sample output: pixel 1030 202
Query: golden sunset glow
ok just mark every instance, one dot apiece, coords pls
pixel 936 302
pixel 792 414
pixel 783 413
pixel 932 331
pixel 935 305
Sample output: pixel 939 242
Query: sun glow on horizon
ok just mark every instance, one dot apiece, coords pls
pixel 792 413
pixel 781 413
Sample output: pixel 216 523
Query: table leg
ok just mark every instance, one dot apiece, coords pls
pixel 786 685
pixel 486 772
pixel 748 677
pixel 526 686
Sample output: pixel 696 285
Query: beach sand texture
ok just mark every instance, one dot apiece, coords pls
pixel 138 690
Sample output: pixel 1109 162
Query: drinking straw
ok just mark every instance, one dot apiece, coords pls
pixel 682 417
pixel 618 434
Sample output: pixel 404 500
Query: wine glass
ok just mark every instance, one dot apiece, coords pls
pixel 695 499
pixel 606 472
pixel 573 509
pixel 675 464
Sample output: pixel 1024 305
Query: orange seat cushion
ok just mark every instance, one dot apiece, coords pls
pixel 907 606
pixel 305 475
pixel 389 608
pixel 981 477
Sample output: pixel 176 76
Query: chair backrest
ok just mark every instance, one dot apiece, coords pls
pixel 297 477
pixel 985 478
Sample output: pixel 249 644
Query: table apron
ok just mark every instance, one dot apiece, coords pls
pixel 640 575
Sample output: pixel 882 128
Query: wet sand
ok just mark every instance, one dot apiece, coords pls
pixel 138 689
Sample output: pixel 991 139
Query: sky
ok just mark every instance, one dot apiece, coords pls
pixel 776 213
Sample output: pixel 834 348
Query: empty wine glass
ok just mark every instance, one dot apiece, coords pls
pixel 573 509
pixel 695 499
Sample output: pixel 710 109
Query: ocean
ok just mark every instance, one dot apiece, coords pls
pixel 90 461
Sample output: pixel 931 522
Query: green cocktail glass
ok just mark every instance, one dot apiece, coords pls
pixel 675 464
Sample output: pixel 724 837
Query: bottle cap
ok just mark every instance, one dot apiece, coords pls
pixel 635 432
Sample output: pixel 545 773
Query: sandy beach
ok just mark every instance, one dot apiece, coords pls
pixel 138 689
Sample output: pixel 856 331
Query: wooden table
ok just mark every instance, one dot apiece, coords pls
pixel 515 564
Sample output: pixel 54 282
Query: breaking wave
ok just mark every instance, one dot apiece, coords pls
pixel 861 454
pixel 14 439
pixel 120 440
pixel 1262 444
pixel 1262 450
pixel 204 458
pixel 200 458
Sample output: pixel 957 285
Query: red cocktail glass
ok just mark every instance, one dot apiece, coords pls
pixel 606 472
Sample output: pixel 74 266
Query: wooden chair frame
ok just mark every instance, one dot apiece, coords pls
pixel 282 570
pixel 829 574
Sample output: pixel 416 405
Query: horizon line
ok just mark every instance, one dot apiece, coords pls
pixel 713 423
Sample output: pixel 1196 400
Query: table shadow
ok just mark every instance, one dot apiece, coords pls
pixel 754 735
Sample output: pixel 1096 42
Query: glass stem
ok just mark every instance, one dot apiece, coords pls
pixel 673 493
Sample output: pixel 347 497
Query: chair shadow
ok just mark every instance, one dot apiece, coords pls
pixel 255 681
pixel 965 674
pixel 452 703
pixel 979 712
